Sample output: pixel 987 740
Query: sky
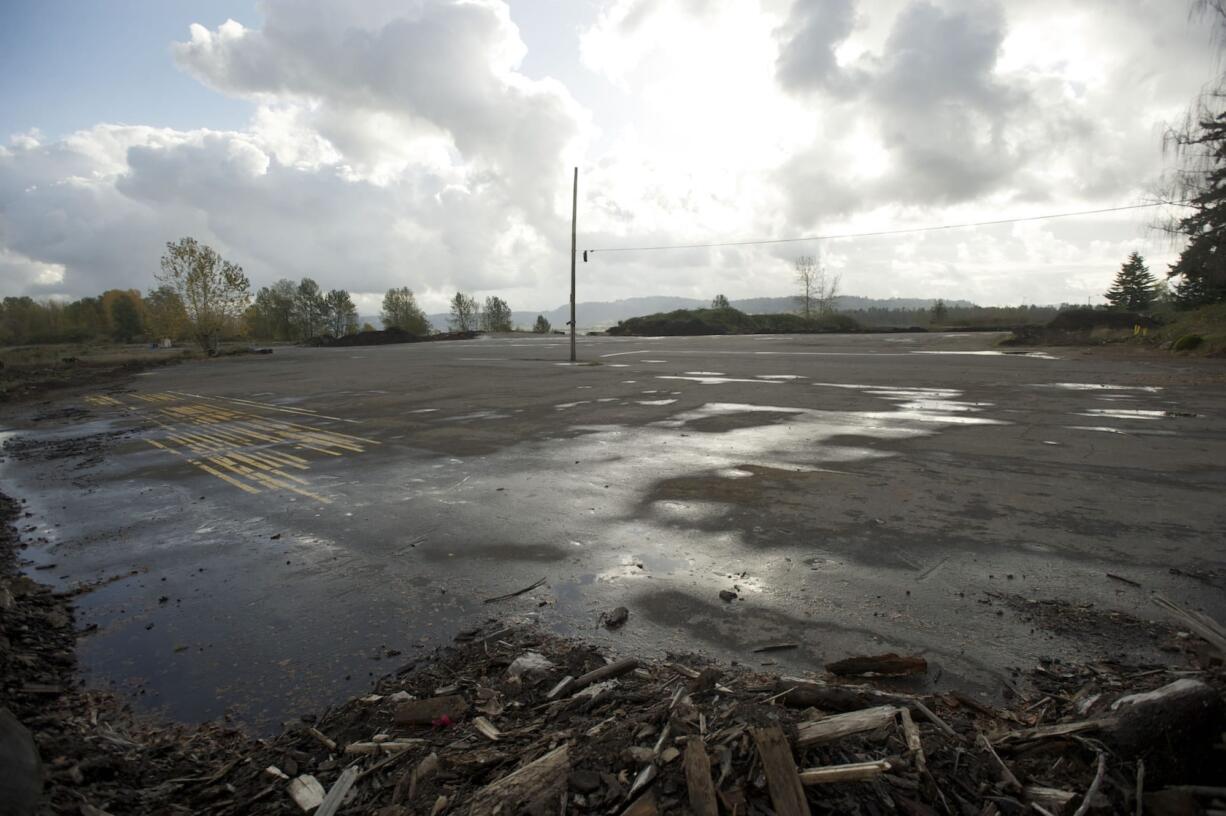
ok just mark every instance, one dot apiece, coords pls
pixel 430 143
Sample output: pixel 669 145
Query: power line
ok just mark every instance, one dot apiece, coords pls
pixel 907 230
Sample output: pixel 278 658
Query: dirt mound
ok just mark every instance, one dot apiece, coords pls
pixel 384 337
pixel 1090 319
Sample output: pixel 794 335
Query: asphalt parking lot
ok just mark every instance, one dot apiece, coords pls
pixel 284 527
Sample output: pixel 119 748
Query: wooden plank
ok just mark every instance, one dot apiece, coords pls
pixel 915 747
pixel 425 712
pixel 851 772
pixel 645 805
pixel 336 794
pixel 787 794
pixel 698 778
pixel 829 729
pixel 535 786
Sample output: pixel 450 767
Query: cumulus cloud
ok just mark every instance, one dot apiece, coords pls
pixel 398 143
pixel 813 32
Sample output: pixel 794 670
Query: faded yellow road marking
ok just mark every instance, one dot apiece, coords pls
pixel 242 448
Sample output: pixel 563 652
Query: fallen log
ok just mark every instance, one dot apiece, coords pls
pixel 536 786
pixel 1172 728
pixel 889 664
pixel 430 710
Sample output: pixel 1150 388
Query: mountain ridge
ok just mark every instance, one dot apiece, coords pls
pixel 592 315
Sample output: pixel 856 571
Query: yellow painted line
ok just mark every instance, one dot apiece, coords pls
pixel 282 485
pixel 166 448
pixel 225 478
pixel 282 408
pixel 291 477
pixel 231 465
pixel 242 457
pixel 337 434
pixel 275 461
pixel 286 459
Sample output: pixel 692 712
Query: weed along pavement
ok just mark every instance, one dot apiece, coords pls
pixel 268 532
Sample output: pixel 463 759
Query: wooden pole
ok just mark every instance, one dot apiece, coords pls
pixel 574 215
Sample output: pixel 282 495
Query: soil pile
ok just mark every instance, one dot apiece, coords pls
pixel 384 338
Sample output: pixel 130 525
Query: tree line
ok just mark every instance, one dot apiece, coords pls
pixel 203 297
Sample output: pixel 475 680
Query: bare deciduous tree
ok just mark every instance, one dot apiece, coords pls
pixel 818 290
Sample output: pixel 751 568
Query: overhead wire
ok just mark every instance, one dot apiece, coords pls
pixel 874 233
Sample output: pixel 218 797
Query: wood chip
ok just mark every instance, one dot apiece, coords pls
pixel 487 729
pixel 306 792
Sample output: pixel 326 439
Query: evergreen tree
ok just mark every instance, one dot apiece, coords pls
pixel 1199 182
pixel 720 302
pixel 1133 290
pixel 542 325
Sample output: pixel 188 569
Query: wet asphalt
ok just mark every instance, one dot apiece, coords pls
pixel 281 529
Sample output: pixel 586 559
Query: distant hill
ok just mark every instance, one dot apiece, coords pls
pixel 603 314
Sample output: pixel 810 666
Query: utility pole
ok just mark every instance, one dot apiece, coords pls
pixel 574 215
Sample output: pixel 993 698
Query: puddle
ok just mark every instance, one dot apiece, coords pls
pixel 717 380
pixel 1123 413
pixel 1098 387
pixel 1038 355
pixel 1121 431
pixel 656 402
pixel 705 373
pixel 781 377
pixel 937 405
pixel 476 415
pixel 562 406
